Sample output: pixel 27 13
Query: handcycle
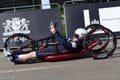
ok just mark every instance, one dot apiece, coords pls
pixel 100 43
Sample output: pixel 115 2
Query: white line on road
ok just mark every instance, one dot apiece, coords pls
pixel 30 69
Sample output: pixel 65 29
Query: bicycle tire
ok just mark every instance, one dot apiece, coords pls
pixel 19 42
pixel 103 51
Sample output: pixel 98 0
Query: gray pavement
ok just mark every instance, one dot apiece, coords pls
pixel 80 69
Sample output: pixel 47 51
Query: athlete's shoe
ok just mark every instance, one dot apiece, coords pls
pixel 7 54
pixel 15 58
pixel 12 56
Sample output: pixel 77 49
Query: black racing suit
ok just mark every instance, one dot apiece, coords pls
pixel 65 44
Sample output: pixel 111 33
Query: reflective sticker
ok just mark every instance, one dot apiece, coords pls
pixel 74 45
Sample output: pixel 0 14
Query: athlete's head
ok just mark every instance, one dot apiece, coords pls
pixel 80 33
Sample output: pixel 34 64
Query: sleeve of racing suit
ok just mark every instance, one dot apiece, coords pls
pixel 67 44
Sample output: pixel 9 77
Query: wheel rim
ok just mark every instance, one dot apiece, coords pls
pixel 107 42
pixel 18 43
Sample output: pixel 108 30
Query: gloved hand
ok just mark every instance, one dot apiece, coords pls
pixel 52 29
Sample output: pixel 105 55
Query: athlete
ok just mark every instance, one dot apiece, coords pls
pixel 71 46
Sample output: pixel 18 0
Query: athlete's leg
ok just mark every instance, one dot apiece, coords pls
pixel 25 57
pixel 21 58
pixel 35 54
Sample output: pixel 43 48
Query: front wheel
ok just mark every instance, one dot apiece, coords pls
pixel 19 43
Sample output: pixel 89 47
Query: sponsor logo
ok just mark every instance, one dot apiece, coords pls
pixel 95 21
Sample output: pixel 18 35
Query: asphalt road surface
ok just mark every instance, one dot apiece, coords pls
pixel 79 69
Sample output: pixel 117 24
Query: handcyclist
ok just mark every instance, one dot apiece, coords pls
pixel 71 46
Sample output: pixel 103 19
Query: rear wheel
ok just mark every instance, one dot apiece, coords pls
pixel 92 26
pixel 107 41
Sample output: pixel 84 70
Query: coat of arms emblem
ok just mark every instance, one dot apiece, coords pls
pixel 16 25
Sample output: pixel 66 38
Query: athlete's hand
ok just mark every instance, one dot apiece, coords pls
pixel 52 29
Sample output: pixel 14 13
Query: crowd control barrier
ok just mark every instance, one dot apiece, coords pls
pixel 81 15
pixel 31 20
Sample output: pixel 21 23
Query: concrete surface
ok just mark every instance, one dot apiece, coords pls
pixel 79 69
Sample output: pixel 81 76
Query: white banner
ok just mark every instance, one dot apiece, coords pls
pixel 86 17
pixel 110 18
pixel 45 4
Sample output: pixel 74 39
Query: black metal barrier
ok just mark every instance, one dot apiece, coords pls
pixel 34 22
pixel 81 15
